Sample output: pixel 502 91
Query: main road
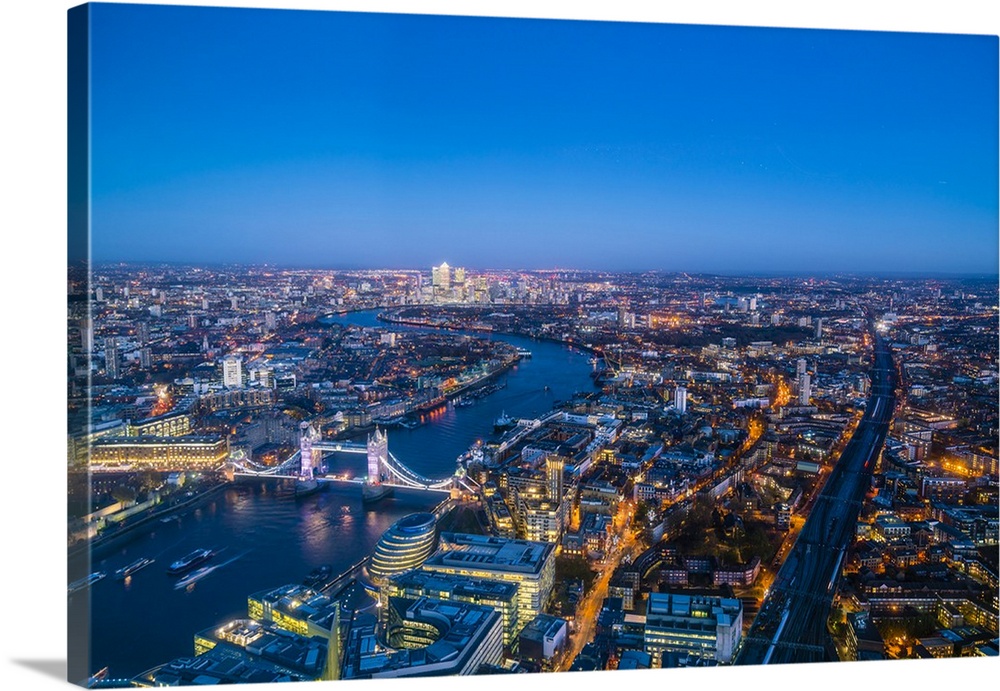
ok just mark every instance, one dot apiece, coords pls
pixel 791 625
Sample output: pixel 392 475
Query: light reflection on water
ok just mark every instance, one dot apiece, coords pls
pixel 144 621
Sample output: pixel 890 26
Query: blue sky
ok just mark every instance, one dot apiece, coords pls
pixel 351 140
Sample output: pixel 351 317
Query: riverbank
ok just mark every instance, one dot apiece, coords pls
pixel 389 318
pixel 555 372
pixel 432 325
pixel 113 540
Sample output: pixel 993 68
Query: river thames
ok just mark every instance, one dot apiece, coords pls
pixel 268 539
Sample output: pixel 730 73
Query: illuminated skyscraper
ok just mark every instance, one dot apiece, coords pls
pixel 441 279
pixel 232 373
pixel 87 335
pixel 805 389
pixel 681 399
pixel 554 467
pixel 111 357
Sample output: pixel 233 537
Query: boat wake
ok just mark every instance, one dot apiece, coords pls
pixel 198 574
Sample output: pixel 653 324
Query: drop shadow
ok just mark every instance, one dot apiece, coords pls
pixel 56 669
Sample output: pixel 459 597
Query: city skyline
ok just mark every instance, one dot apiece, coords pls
pixel 361 268
pixel 797 461
pixel 641 146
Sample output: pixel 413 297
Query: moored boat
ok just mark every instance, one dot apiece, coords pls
pixel 317 577
pixel 504 422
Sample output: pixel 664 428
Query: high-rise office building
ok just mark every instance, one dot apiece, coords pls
pixel 232 373
pixel 87 335
pixel 531 565
pixel 554 467
pixel 805 388
pixel 542 519
pixel 111 357
pixel 680 399
pixel 819 328
pixel 441 279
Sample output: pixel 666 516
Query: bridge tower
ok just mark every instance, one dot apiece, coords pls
pixel 308 435
pixel 378 455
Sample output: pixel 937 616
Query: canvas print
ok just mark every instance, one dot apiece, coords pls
pixel 406 345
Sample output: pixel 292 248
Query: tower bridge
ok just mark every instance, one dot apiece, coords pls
pixel 383 466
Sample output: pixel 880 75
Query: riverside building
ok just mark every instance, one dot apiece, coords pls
pixel 499 595
pixel 404 546
pixel 530 565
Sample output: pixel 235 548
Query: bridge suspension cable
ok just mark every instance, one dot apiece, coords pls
pixel 399 473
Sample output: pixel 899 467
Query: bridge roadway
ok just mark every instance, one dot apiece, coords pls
pixel 791 624
pixel 403 476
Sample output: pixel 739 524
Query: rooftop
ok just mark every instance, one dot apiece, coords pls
pixel 462 550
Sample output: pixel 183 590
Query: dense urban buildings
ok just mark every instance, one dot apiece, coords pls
pixel 648 517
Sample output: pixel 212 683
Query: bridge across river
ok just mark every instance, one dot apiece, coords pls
pixel 383 467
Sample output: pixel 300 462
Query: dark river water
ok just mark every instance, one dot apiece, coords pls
pixel 432 448
pixel 268 539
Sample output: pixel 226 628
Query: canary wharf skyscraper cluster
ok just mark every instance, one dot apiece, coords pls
pixel 709 447
pixel 406 346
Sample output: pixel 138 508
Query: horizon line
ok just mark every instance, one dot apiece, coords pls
pixel 757 273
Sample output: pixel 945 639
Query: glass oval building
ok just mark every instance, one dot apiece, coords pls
pixel 404 546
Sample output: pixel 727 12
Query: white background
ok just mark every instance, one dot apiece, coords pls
pixel 32 322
